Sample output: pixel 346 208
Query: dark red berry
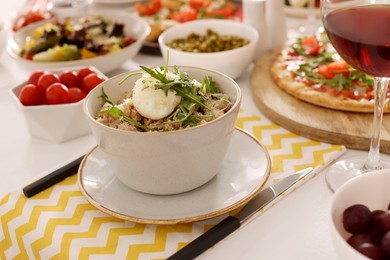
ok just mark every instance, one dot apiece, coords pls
pixel 385 244
pixel 356 240
pixel 357 219
pixel 371 251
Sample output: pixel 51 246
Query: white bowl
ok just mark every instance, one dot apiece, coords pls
pixel 232 62
pixel 134 26
pixel 54 123
pixel 370 189
pixel 165 162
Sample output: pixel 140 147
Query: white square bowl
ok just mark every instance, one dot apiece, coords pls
pixel 54 123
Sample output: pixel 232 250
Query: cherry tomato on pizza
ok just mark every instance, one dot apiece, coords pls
pixel 311 45
pixel 332 69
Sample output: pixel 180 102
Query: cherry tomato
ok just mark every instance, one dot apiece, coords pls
pixel 198 4
pixel 28 56
pixel 319 88
pixel 57 93
pixel 223 12
pixel 31 95
pixel 349 94
pixel 69 78
pixel 76 95
pixel 332 91
pixel 27 18
pixel 91 81
pixel 184 16
pixel 311 45
pixel 47 79
pixel 332 69
pixel 84 72
pixel 128 41
pixel 149 8
pixel 33 79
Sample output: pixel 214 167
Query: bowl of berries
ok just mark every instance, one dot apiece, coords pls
pixel 51 102
pixel 360 217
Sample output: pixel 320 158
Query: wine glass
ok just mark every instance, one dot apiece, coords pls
pixel 311 24
pixel 359 30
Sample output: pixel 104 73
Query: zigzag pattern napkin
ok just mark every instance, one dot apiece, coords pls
pixel 60 224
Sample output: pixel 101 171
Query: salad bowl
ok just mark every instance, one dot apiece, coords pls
pixel 164 162
pixel 133 27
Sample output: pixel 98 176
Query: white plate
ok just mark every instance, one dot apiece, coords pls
pixel 245 171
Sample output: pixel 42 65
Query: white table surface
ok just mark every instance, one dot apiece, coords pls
pixel 295 228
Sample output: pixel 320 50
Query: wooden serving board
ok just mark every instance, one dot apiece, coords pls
pixel 327 125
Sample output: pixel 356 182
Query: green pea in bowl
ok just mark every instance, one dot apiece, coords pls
pixel 218 45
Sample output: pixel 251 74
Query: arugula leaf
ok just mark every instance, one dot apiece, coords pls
pixel 104 98
pixel 156 74
pixel 191 121
pixel 210 85
pixel 298 48
pixel 116 112
pixel 186 93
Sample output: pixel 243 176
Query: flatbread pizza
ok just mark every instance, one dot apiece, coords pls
pixel 311 70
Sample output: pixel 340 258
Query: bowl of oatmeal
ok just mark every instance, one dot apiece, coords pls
pixel 164 130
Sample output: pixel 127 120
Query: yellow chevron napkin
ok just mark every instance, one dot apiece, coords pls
pixel 59 223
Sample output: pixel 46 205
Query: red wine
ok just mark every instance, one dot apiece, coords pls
pixel 361 35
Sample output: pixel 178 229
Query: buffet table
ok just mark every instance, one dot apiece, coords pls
pixel 296 227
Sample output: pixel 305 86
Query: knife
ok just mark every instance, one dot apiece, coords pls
pixel 52 178
pixel 231 223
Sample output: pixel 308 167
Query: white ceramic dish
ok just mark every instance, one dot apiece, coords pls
pixel 134 26
pixel 245 170
pixel 54 123
pixel 167 162
pixel 232 62
pixel 370 189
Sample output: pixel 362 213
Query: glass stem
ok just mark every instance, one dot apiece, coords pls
pixel 380 90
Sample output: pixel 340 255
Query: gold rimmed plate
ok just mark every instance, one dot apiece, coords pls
pixel 245 170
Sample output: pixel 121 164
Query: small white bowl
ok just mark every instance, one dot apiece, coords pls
pixel 54 123
pixel 165 162
pixel 371 189
pixel 232 62
pixel 134 26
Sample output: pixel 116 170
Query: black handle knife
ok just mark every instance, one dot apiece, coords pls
pixel 231 223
